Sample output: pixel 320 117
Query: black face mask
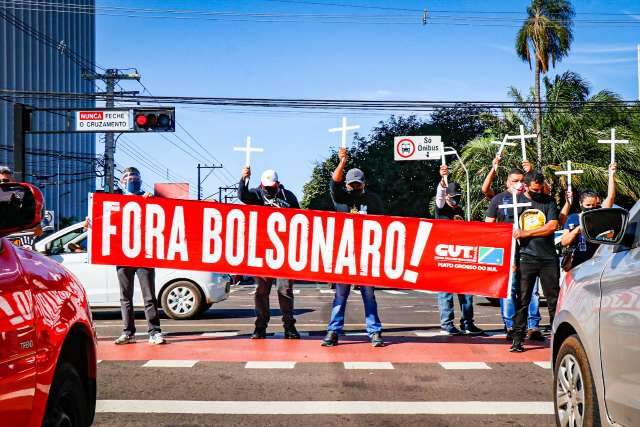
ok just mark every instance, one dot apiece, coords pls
pixel 271 192
pixel 354 192
pixel 535 196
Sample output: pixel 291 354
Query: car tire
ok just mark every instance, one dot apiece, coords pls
pixel 204 307
pixel 181 300
pixel 67 403
pixel 574 390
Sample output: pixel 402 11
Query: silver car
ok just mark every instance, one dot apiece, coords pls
pixel 596 332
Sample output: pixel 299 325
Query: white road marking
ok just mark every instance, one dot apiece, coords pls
pixel 357 291
pixel 464 365
pixel 281 334
pixel 99 361
pixel 220 334
pixel 252 293
pixel 170 364
pixel 392 292
pixel 356 334
pixel 425 292
pixel 428 334
pixel 323 407
pixel 544 365
pixel 270 365
pixel 296 291
pixel 327 291
pixel 368 365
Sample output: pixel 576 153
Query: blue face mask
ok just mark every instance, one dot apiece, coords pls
pixel 133 187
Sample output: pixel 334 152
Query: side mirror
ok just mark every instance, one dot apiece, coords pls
pixel 20 207
pixel 604 226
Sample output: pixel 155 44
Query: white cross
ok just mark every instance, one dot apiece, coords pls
pixel 523 140
pixel 613 141
pixel 344 129
pixel 248 149
pixel 502 145
pixel 515 205
pixel 569 173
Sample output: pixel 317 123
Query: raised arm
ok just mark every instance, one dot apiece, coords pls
pixel 245 195
pixel 486 185
pixel 441 191
pixel 611 191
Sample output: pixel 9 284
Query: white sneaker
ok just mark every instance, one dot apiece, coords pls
pixel 156 338
pixel 125 339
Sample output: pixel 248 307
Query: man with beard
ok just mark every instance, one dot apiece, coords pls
pixel 572 238
pixel 270 193
pixel 352 193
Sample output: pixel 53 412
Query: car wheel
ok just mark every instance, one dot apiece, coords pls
pixel 575 398
pixel 67 404
pixel 181 300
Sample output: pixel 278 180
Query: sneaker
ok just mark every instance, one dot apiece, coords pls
pixel 330 340
pixel 291 333
pixel 509 336
pixel 125 339
pixel 473 330
pixel 516 347
pixel 259 334
pixel 376 340
pixel 450 330
pixel 156 338
pixel 535 335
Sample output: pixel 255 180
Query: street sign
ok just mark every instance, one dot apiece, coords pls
pixel 107 120
pixel 417 148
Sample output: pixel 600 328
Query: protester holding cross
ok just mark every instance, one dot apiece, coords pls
pixel 486 185
pixel 270 193
pixel 359 201
pixel 448 206
pixel 579 249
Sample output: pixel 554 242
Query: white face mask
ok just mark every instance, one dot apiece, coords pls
pixel 519 187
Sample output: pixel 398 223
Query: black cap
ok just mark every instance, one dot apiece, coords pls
pixel 453 189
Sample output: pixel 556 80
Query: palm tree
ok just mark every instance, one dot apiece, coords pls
pixel 572 128
pixel 546 35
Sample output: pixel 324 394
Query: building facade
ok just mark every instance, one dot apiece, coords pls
pixel 47 45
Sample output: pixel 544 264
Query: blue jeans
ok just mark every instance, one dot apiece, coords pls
pixel 336 324
pixel 508 306
pixel 445 303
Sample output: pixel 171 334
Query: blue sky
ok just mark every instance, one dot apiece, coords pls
pixel 316 60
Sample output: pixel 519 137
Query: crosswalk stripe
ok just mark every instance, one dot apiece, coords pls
pixel 219 334
pixel 170 364
pixel 269 365
pixel 428 334
pixel 392 292
pixel 368 365
pixel 228 407
pixel 296 291
pixel 327 291
pixel 464 365
pixel 544 365
pixel 425 292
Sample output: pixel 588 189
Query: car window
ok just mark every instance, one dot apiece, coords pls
pixel 633 230
pixel 77 245
pixel 57 246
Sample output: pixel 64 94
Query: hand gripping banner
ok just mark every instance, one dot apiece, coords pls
pixel 386 251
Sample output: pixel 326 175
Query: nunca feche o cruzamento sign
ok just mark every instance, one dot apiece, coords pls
pixel 370 250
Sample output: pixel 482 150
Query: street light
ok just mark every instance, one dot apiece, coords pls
pixel 448 151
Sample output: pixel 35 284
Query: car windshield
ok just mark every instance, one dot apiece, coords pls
pixel 59 245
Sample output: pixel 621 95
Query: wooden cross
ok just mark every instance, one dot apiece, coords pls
pixel 523 140
pixel 248 149
pixel 502 145
pixel 515 205
pixel 569 173
pixel 344 129
pixel 613 141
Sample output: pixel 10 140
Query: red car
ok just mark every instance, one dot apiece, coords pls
pixel 47 337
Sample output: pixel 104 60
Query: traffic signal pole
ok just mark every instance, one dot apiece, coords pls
pixel 110 78
pixel 21 124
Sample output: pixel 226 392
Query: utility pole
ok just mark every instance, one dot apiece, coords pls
pixel 226 193
pixel 201 181
pixel 21 125
pixel 110 78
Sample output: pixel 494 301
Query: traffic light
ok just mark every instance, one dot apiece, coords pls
pixel 154 119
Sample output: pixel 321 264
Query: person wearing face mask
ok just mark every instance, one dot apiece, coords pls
pixel 579 249
pixel 486 185
pixel 270 193
pixel 537 254
pixel 508 305
pixel 131 185
pixel 358 200
pixel 448 206
pixel 6 175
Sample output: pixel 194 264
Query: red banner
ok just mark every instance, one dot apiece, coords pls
pixel 385 251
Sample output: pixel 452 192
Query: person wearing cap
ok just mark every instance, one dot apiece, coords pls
pixel 448 206
pixel 6 175
pixel 270 193
pixel 131 183
pixel 352 193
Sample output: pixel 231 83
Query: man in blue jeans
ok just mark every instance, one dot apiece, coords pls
pixel 508 311
pixel 448 206
pixel 358 201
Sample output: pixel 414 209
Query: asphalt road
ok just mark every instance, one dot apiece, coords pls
pixel 211 373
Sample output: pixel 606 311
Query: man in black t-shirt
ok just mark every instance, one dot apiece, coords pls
pixel 538 257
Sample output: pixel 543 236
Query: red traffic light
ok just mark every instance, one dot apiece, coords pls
pixel 141 120
pixel 148 119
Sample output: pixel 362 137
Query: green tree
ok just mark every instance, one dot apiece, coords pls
pixel 545 36
pixel 573 129
pixel 405 187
